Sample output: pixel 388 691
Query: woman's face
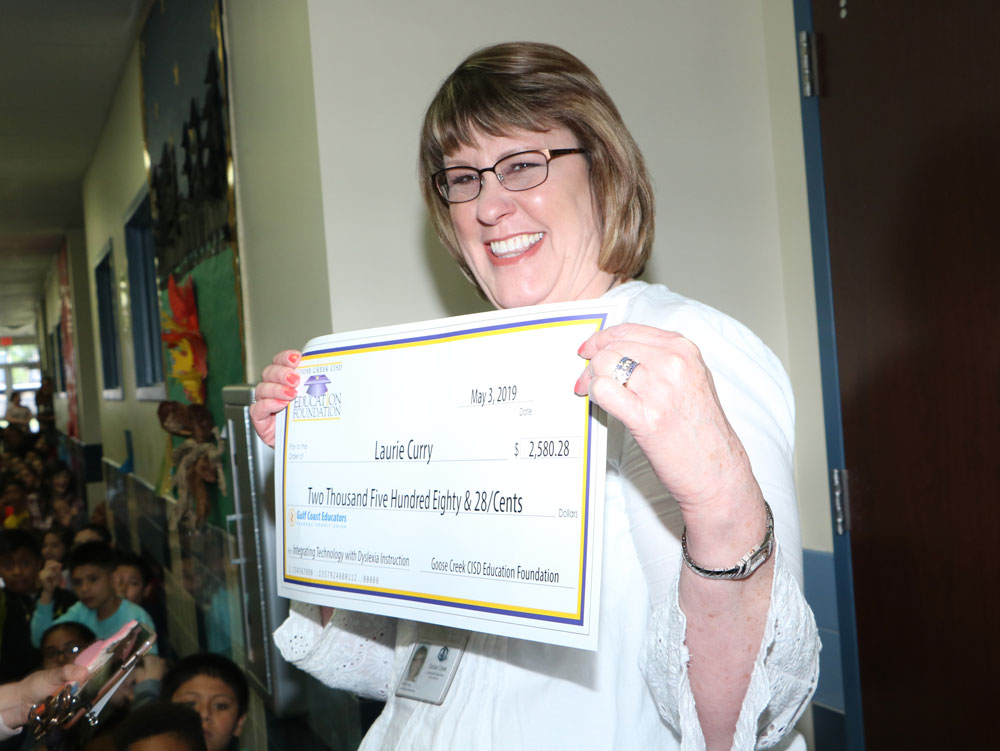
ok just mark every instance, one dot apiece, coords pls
pixel 552 232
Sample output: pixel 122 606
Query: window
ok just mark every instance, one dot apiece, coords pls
pixel 145 303
pixel 104 278
pixel 20 370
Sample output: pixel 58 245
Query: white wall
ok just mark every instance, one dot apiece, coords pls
pixel 115 177
pixel 802 359
pixel 694 82
pixel 282 248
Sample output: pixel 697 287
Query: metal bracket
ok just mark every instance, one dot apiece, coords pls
pixel 239 558
pixel 841 501
pixel 807 64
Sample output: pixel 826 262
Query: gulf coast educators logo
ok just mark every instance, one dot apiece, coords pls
pixel 318 399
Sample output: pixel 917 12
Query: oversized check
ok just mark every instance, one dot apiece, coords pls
pixel 445 472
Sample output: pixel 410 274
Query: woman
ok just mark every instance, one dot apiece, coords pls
pixel 18 414
pixel 539 192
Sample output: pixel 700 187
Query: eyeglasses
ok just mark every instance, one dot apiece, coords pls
pixel 70 650
pixel 521 171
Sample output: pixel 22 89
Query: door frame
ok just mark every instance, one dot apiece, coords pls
pixel 819 239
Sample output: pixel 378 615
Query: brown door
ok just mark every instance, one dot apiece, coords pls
pixel 910 120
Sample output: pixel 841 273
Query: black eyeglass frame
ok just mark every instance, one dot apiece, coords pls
pixel 549 155
pixel 52 653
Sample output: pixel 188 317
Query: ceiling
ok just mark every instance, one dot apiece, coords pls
pixel 60 64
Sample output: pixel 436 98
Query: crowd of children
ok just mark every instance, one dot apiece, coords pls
pixel 64 586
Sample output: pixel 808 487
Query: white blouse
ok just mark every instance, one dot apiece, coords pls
pixel 634 691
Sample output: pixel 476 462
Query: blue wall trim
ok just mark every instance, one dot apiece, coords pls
pixel 829 730
pixel 821 594
pixel 821 587
pixel 93 455
pixel 816 195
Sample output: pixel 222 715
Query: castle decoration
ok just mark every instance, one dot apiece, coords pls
pixel 190 198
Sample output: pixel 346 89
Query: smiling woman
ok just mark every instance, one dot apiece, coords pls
pixel 539 192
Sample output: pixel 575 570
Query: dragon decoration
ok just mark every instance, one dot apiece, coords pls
pixel 197 460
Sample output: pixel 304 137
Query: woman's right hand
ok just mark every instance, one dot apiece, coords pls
pixel 275 390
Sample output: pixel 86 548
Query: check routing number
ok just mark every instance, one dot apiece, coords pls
pixel 445 472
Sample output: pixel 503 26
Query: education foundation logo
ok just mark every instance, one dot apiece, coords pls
pixel 317 399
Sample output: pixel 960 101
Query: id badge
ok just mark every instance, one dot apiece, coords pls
pixel 432 664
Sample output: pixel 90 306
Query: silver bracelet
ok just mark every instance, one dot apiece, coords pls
pixel 749 563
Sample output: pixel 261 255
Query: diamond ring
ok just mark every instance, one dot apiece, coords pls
pixel 624 369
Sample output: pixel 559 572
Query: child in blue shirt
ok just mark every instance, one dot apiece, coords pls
pixel 100 608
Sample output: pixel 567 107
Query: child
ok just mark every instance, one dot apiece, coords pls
pixel 62 642
pixel 99 608
pixel 133 578
pixel 59 492
pixel 20 565
pixel 160 727
pixel 56 542
pixel 20 561
pixel 14 503
pixel 217 689
pixel 92 533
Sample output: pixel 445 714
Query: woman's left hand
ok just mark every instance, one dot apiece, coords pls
pixel 671 408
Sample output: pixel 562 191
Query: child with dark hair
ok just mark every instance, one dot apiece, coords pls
pixel 133 577
pixel 20 561
pixel 14 503
pixel 217 689
pixel 60 497
pixel 160 727
pixel 100 608
pixel 20 566
pixel 56 542
pixel 62 642
pixel 92 533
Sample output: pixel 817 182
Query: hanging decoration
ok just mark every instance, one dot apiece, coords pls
pixel 197 460
pixel 182 335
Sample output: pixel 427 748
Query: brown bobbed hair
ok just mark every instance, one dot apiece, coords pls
pixel 538 87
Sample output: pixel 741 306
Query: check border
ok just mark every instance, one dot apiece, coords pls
pixel 577 618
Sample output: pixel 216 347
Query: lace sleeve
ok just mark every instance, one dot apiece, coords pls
pixel 783 680
pixel 353 653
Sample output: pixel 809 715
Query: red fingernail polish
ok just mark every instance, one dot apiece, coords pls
pixel 295 358
pixel 293 379
pixel 580 351
pixel 290 392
